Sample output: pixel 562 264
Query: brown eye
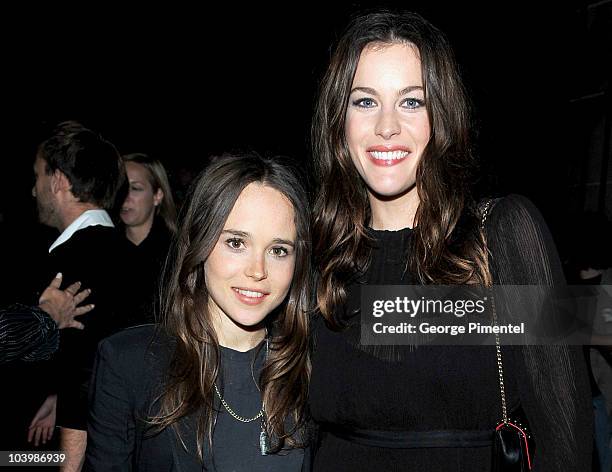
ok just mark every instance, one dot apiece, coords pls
pixel 279 251
pixel 235 243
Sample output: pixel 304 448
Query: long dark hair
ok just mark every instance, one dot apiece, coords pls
pixel 443 251
pixel 195 365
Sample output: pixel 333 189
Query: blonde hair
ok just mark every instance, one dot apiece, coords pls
pixel 159 180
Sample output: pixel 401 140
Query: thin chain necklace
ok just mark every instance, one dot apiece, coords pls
pixel 264 441
pixel 233 413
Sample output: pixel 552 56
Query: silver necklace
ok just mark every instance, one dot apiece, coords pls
pixel 264 440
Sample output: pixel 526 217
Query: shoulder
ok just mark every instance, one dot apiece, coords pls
pixel 512 213
pixel 101 246
pixel 159 236
pixel 99 237
pixel 95 232
pixel 137 347
pixel 520 244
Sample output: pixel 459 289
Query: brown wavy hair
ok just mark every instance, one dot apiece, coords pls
pixel 195 365
pixel 448 247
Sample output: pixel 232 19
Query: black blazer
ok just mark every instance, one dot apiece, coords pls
pixel 128 375
pixel 98 257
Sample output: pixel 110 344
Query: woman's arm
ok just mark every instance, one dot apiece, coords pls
pixel 27 333
pixel 111 425
pixel 552 380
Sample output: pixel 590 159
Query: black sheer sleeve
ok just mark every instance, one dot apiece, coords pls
pixel 552 380
pixel 27 333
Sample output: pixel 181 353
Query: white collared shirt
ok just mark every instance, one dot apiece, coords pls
pixel 87 218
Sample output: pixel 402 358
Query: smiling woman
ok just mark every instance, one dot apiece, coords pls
pixel 392 152
pixel 387 125
pixel 223 382
pixel 249 271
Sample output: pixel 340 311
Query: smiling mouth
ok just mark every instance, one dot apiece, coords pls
pixel 388 155
pixel 249 293
pixel 387 158
pixel 250 297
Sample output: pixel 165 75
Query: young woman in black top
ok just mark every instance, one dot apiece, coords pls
pixel 392 154
pixel 222 383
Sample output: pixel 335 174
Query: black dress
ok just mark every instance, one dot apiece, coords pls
pixel 427 388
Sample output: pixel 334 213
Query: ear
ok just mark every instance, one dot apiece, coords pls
pixel 158 197
pixel 59 182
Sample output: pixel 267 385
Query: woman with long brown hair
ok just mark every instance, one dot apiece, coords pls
pixel 222 383
pixel 391 143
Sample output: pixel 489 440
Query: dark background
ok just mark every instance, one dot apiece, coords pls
pixel 182 83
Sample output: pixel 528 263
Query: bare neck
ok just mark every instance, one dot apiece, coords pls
pixel 230 334
pixel 394 213
pixel 243 342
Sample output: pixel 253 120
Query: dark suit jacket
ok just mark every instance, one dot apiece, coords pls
pixel 129 374
pixel 98 257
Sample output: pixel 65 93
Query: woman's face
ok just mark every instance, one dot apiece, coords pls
pixel 249 271
pixel 139 205
pixel 387 126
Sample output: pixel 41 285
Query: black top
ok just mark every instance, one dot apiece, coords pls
pixel 145 267
pixel 235 444
pixel 130 372
pixel 450 387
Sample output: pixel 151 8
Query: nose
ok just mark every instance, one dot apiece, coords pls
pixel 34 191
pixel 256 268
pixel 387 124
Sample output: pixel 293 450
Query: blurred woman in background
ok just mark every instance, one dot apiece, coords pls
pixel 148 214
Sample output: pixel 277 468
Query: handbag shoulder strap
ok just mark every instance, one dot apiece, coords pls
pixel 484 209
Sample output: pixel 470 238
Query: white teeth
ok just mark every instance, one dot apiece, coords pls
pixel 389 155
pixel 249 293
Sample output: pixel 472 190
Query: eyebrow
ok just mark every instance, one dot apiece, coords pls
pixel 371 91
pixel 244 234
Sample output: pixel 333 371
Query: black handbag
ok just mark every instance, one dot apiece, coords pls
pixel 513 446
